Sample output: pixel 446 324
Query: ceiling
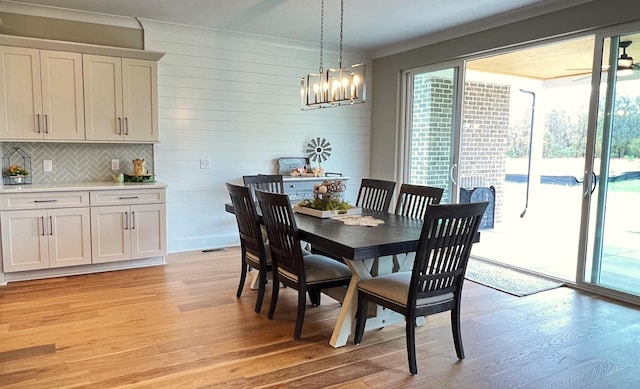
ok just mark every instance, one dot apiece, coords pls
pixel 375 27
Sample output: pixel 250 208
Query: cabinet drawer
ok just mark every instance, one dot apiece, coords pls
pixel 123 197
pixel 43 200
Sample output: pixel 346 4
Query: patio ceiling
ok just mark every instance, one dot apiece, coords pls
pixel 568 58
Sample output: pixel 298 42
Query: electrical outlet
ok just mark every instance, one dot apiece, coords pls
pixel 204 164
pixel 48 165
pixel 115 164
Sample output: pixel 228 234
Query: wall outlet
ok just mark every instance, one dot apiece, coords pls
pixel 115 164
pixel 205 164
pixel 48 165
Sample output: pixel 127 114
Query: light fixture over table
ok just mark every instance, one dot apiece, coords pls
pixel 333 87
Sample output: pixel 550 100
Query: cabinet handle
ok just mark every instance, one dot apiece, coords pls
pixel 50 225
pixel 127 198
pixel 45 201
pixel 126 126
pixel 42 222
pixel 38 122
pixel 46 123
pixel 126 220
pixel 133 220
pixel 119 126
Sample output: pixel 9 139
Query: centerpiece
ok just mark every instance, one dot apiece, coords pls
pixel 328 200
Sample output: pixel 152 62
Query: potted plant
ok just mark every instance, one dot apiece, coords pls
pixel 17 174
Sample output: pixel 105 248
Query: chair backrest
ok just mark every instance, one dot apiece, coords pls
pixel 244 208
pixel 284 238
pixel 413 200
pixel 375 194
pixel 266 182
pixel 443 250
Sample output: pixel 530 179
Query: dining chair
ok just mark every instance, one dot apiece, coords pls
pixel 413 201
pixel 375 194
pixel 308 274
pixel 435 283
pixel 253 248
pixel 266 182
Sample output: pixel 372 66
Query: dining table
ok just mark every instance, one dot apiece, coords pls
pixel 358 246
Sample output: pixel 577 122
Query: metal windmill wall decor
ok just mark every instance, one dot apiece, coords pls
pixel 318 150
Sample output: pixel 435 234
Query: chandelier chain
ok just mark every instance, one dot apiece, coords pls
pixel 321 34
pixel 341 24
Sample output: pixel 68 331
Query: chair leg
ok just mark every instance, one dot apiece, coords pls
pixel 261 289
pixel 457 332
pixel 411 344
pixel 302 303
pixel 275 289
pixel 361 320
pixel 243 277
pixel 314 296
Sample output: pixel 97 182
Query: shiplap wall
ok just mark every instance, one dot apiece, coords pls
pixel 234 99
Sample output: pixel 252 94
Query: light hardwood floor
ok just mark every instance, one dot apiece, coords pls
pixel 181 326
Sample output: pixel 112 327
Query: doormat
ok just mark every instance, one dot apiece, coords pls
pixel 505 279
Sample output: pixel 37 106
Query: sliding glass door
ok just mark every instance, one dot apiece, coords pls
pixel 428 143
pixel 613 238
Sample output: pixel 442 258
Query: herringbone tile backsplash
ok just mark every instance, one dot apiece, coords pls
pixel 80 162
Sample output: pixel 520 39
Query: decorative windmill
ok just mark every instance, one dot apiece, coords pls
pixel 318 150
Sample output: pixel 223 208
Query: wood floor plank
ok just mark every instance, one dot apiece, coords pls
pixel 181 326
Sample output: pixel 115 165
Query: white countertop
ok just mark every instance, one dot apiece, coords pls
pixel 65 187
pixel 311 178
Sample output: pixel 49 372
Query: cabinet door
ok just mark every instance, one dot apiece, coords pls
pixel 24 243
pixel 103 97
pixel 110 236
pixel 140 101
pixel 20 94
pixel 69 235
pixel 62 96
pixel 148 231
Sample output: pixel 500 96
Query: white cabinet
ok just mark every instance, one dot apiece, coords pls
pixel 120 99
pixel 133 229
pixel 40 232
pixel 41 96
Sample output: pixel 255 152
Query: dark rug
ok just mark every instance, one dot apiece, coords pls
pixel 502 278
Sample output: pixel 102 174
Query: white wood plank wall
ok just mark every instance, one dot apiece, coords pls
pixel 234 99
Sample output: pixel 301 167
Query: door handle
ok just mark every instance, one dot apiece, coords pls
pixel 594 183
pixel 119 126
pixel 42 223
pixel 133 220
pixel 451 174
pixel 126 126
pixel 38 123
pixel 126 220
pixel 46 123
pixel 50 225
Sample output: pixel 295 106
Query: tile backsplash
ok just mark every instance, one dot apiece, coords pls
pixel 81 162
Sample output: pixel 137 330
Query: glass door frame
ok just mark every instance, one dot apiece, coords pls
pixel 406 119
pixel 587 239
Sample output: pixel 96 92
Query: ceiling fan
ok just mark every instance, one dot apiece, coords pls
pixel 626 66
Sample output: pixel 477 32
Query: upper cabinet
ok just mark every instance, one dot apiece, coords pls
pixel 120 99
pixel 40 95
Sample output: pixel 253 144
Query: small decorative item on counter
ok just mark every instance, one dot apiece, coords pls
pixel 138 167
pixel 298 171
pixel 118 177
pixel 16 165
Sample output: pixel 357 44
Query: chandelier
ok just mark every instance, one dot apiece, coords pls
pixel 333 87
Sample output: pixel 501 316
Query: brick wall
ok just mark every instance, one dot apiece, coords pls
pixel 484 135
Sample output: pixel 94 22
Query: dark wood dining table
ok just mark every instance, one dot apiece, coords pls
pixel 358 246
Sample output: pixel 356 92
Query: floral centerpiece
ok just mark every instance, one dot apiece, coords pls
pixel 327 196
pixel 17 170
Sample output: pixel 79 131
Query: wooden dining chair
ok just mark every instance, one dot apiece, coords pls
pixel 413 201
pixel 254 250
pixel 375 194
pixel 435 283
pixel 266 182
pixel 308 274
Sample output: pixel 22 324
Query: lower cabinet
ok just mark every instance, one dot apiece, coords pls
pixel 123 232
pixel 42 239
